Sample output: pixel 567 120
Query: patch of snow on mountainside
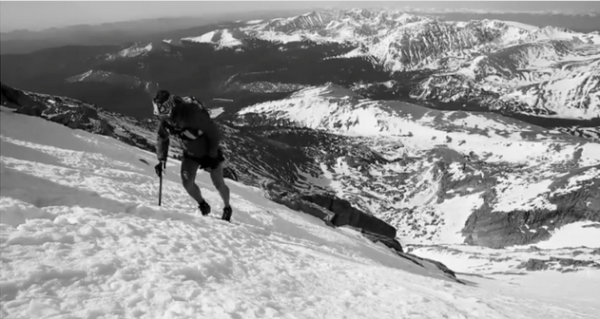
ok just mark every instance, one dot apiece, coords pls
pixel 220 38
pixel 205 38
pixel 520 25
pixel 519 194
pixel 123 80
pixel 574 235
pixel 140 49
pixel 134 51
pixel 81 208
pixel 554 33
pixel 576 96
pixel 457 211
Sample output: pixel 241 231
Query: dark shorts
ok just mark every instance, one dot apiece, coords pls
pixel 189 168
pixel 203 162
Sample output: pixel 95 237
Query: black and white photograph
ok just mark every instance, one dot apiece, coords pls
pixel 300 159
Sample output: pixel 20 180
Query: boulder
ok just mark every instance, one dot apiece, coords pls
pixel 389 242
pixel 345 214
pixel 419 261
pixel 30 110
pixel 338 212
pixel 294 202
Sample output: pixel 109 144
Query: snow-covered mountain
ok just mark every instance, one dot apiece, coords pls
pixel 444 176
pixel 82 236
pixel 500 65
pixel 139 49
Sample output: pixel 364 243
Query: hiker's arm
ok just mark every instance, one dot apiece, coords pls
pixel 162 142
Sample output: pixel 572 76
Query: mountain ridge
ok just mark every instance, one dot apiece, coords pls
pixel 402 42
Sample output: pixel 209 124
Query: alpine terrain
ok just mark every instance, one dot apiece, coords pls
pixel 381 164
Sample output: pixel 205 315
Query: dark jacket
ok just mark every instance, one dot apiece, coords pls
pixel 191 123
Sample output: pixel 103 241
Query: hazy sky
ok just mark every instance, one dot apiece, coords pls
pixel 34 15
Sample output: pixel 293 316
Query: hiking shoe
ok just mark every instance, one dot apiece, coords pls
pixel 204 208
pixel 226 213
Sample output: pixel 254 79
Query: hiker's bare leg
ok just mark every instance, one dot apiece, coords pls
pixel 219 182
pixel 189 168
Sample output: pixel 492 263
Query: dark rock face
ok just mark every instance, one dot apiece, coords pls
pixel 74 114
pixel 592 226
pixel 389 242
pixel 345 214
pixel 16 99
pixel 294 202
pixel 418 261
pixel 338 212
pixel 498 230
pixel 540 264
pixel 30 110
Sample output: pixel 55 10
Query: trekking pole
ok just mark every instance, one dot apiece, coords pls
pixel 160 189
pixel 160 171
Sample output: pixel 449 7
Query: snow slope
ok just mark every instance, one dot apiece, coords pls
pixel 82 237
pixel 569 277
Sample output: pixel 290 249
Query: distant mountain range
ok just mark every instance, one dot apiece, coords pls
pixel 117 33
pixel 504 65
pixel 487 65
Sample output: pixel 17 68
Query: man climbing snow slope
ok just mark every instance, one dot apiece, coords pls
pixel 187 119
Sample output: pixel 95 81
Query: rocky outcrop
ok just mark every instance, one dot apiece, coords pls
pixel 561 264
pixel 591 133
pixel 493 229
pixel 419 261
pixel 337 212
pixel 83 117
pixel 16 99
pixel 345 214
pixel 298 204
pixel 71 113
